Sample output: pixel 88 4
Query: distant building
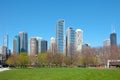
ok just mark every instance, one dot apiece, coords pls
pixel 16 45
pixel 5 41
pixel 8 53
pixel 39 43
pixel 23 41
pixel 1 49
pixel 106 43
pixel 3 53
pixel 43 46
pixel 53 45
pixel 85 46
pixel 70 41
pixel 39 39
pixel 113 39
pixel 33 46
pixel 60 36
pixel 78 40
pixel 1 59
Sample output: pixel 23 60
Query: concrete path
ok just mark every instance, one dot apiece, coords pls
pixel 4 69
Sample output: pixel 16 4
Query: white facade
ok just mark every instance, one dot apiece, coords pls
pixel 52 40
pixel 5 41
pixel 53 47
pixel 39 39
pixel 78 39
pixel 106 42
pixel 1 50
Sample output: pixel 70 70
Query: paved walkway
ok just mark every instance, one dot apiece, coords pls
pixel 4 69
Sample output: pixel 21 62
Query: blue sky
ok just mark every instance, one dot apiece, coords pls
pixel 39 17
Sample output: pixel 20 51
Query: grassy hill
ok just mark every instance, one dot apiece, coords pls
pixel 60 74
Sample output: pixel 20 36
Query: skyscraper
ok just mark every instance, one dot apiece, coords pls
pixel 52 45
pixel 23 41
pixel 3 53
pixel 78 40
pixel 5 41
pixel 113 39
pixel 43 46
pixel 39 44
pixel 106 43
pixel 33 46
pixel 16 45
pixel 85 46
pixel 70 41
pixel 60 36
pixel 5 45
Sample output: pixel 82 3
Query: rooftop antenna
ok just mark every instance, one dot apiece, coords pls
pixel 113 28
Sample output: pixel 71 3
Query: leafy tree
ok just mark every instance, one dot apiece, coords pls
pixel 42 59
pixel 13 60
pixel 55 60
pixel 24 59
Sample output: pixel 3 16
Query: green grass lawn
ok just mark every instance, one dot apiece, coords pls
pixel 60 74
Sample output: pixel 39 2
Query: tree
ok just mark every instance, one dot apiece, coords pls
pixel 32 60
pixel 55 60
pixel 88 57
pixel 42 59
pixel 13 60
pixel 114 53
pixel 24 59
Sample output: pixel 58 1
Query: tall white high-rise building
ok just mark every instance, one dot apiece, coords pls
pixel 5 41
pixel 106 43
pixel 78 40
pixel 53 45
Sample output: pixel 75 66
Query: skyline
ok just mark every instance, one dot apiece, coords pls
pixel 39 18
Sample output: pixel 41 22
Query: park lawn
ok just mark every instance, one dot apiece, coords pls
pixel 60 74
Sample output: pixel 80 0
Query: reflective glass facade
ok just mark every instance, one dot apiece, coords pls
pixel 16 45
pixel 70 41
pixel 23 42
pixel 60 36
pixel 113 39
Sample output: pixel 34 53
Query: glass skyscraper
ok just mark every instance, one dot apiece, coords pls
pixel 43 46
pixel 113 39
pixel 16 45
pixel 60 36
pixel 23 41
pixel 70 41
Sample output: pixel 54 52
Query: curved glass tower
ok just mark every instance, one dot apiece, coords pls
pixel 60 36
